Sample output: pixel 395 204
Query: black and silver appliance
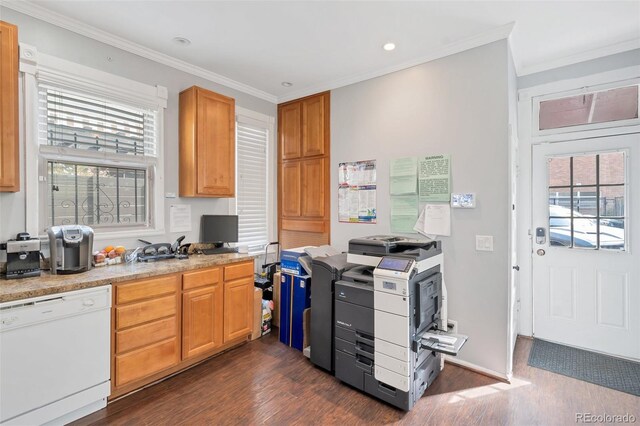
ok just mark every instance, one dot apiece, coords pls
pixel 391 320
pixel 23 256
pixel 326 271
pixel 71 249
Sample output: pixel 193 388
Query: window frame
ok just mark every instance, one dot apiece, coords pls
pixel 535 118
pixel 258 119
pixel 38 68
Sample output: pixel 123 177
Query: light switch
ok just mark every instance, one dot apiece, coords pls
pixel 484 242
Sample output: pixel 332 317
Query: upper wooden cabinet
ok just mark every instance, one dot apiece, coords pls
pixel 314 125
pixel 9 148
pixel 290 135
pixel 304 127
pixel 207 144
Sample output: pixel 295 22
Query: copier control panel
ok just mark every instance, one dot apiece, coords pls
pixel 392 275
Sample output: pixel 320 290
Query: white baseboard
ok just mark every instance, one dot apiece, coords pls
pixel 473 367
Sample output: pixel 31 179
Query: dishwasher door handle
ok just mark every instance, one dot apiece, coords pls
pixel 49 301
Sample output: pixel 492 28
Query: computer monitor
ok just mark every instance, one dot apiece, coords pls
pixel 219 229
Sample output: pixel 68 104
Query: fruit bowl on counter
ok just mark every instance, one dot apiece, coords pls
pixel 110 255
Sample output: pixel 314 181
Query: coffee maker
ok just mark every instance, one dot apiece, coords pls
pixel 23 256
pixel 71 249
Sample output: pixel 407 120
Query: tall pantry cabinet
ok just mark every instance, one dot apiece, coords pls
pixel 303 171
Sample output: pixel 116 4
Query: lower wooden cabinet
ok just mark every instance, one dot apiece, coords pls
pixel 146 361
pixel 238 301
pixel 201 320
pixel 164 324
pixel 145 335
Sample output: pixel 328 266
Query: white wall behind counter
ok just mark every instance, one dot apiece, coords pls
pixel 456 105
pixel 73 47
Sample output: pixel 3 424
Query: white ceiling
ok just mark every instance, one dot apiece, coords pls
pixel 321 45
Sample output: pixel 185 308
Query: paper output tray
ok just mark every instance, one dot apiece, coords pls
pixel 429 340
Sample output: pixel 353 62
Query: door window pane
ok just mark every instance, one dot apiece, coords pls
pixel 587 216
pixel 584 170
pixel 559 171
pixel 612 201
pixel 612 168
pixel 584 201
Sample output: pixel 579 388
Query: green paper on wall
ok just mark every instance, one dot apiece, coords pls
pixel 434 178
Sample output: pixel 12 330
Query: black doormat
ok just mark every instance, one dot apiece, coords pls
pixel 599 369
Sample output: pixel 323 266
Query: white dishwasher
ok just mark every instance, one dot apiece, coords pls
pixel 54 357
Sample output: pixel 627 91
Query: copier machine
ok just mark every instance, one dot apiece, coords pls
pixel 390 318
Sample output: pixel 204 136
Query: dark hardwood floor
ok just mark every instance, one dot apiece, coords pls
pixel 267 382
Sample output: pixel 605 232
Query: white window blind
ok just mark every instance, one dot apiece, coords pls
pixel 68 119
pixel 252 185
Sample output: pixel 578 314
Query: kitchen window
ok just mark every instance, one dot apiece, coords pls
pixel 98 140
pixel 93 190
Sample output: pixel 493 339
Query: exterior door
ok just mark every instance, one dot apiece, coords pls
pixel 586 243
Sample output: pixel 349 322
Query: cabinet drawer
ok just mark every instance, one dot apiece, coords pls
pixel 138 313
pixel 146 289
pixel 241 270
pixel 146 334
pixel 200 278
pixel 146 361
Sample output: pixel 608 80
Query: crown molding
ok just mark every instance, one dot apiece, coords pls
pixel 78 27
pixel 495 34
pixel 588 55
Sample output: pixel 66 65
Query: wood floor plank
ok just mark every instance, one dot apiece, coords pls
pixel 265 382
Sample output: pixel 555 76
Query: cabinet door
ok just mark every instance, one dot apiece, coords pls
pixel 290 131
pixel 215 144
pixel 312 194
pixel 201 320
pixel 238 303
pixel 290 189
pixel 9 162
pixel 313 126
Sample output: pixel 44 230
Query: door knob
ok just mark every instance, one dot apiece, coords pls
pixel 541 252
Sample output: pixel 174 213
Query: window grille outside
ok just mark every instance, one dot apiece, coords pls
pixel 96 195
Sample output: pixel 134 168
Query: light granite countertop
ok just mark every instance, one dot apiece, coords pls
pixel 46 284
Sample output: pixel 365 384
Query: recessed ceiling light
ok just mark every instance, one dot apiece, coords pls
pixel 182 41
pixel 287 84
pixel 389 46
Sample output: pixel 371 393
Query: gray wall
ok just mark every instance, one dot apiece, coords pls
pixel 67 45
pixel 456 105
pixel 594 66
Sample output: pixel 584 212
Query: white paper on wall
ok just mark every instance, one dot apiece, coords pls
pixel 180 218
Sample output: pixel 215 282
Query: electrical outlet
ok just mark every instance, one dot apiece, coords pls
pixel 452 326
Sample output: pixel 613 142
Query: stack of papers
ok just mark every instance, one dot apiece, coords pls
pixel 435 219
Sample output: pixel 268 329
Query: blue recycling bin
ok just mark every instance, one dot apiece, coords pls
pixel 294 299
